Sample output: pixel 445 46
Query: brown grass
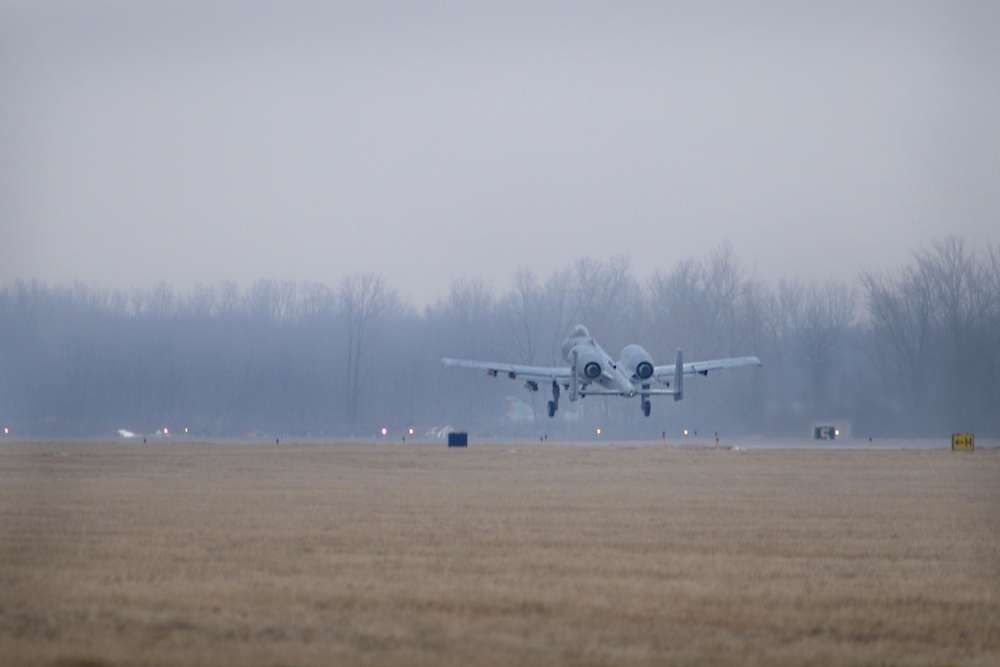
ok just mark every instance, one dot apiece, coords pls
pixel 209 554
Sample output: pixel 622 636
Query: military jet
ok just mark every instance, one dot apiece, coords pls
pixel 593 372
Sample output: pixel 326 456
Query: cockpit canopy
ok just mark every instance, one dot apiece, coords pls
pixel 579 331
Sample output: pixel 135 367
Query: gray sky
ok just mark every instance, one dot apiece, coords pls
pixel 207 141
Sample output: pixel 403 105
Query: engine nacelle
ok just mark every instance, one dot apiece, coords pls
pixel 636 360
pixel 588 364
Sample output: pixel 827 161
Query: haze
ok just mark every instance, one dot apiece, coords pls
pixel 196 142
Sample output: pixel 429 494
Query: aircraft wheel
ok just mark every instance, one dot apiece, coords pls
pixel 552 408
pixel 646 407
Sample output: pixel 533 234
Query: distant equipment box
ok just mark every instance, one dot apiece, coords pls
pixel 963 442
pixel 825 433
pixel 458 439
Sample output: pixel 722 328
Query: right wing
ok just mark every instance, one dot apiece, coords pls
pixel 666 373
pixel 513 371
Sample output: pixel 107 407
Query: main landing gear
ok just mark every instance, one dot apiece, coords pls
pixel 646 406
pixel 554 403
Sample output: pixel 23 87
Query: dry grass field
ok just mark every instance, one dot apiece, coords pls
pixel 225 554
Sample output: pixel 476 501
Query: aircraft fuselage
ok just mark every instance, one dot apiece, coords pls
pixel 593 365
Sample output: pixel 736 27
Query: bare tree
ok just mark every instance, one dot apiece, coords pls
pixel 960 302
pixel 521 311
pixel 899 312
pixel 364 299
pixel 317 299
pixel 607 295
pixel 827 314
pixel 679 312
pixel 933 335
pixel 272 300
pixel 559 312
pixel 724 281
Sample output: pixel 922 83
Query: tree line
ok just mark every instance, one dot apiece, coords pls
pixel 914 350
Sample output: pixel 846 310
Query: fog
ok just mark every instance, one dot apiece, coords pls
pixel 911 351
pixel 201 142
pixel 197 197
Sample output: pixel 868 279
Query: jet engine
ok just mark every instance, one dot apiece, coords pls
pixel 636 360
pixel 588 364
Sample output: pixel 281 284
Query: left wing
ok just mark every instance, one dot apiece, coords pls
pixel 558 373
pixel 667 372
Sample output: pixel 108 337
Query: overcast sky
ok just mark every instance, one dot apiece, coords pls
pixel 205 141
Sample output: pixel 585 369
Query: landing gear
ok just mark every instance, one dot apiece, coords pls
pixel 553 406
pixel 646 407
pixel 554 403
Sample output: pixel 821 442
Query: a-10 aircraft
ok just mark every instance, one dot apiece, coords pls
pixel 592 371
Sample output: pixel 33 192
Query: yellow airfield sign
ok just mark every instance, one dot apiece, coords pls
pixel 963 442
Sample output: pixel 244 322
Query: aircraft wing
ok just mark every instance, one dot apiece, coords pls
pixel 513 371
pixel 666 373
